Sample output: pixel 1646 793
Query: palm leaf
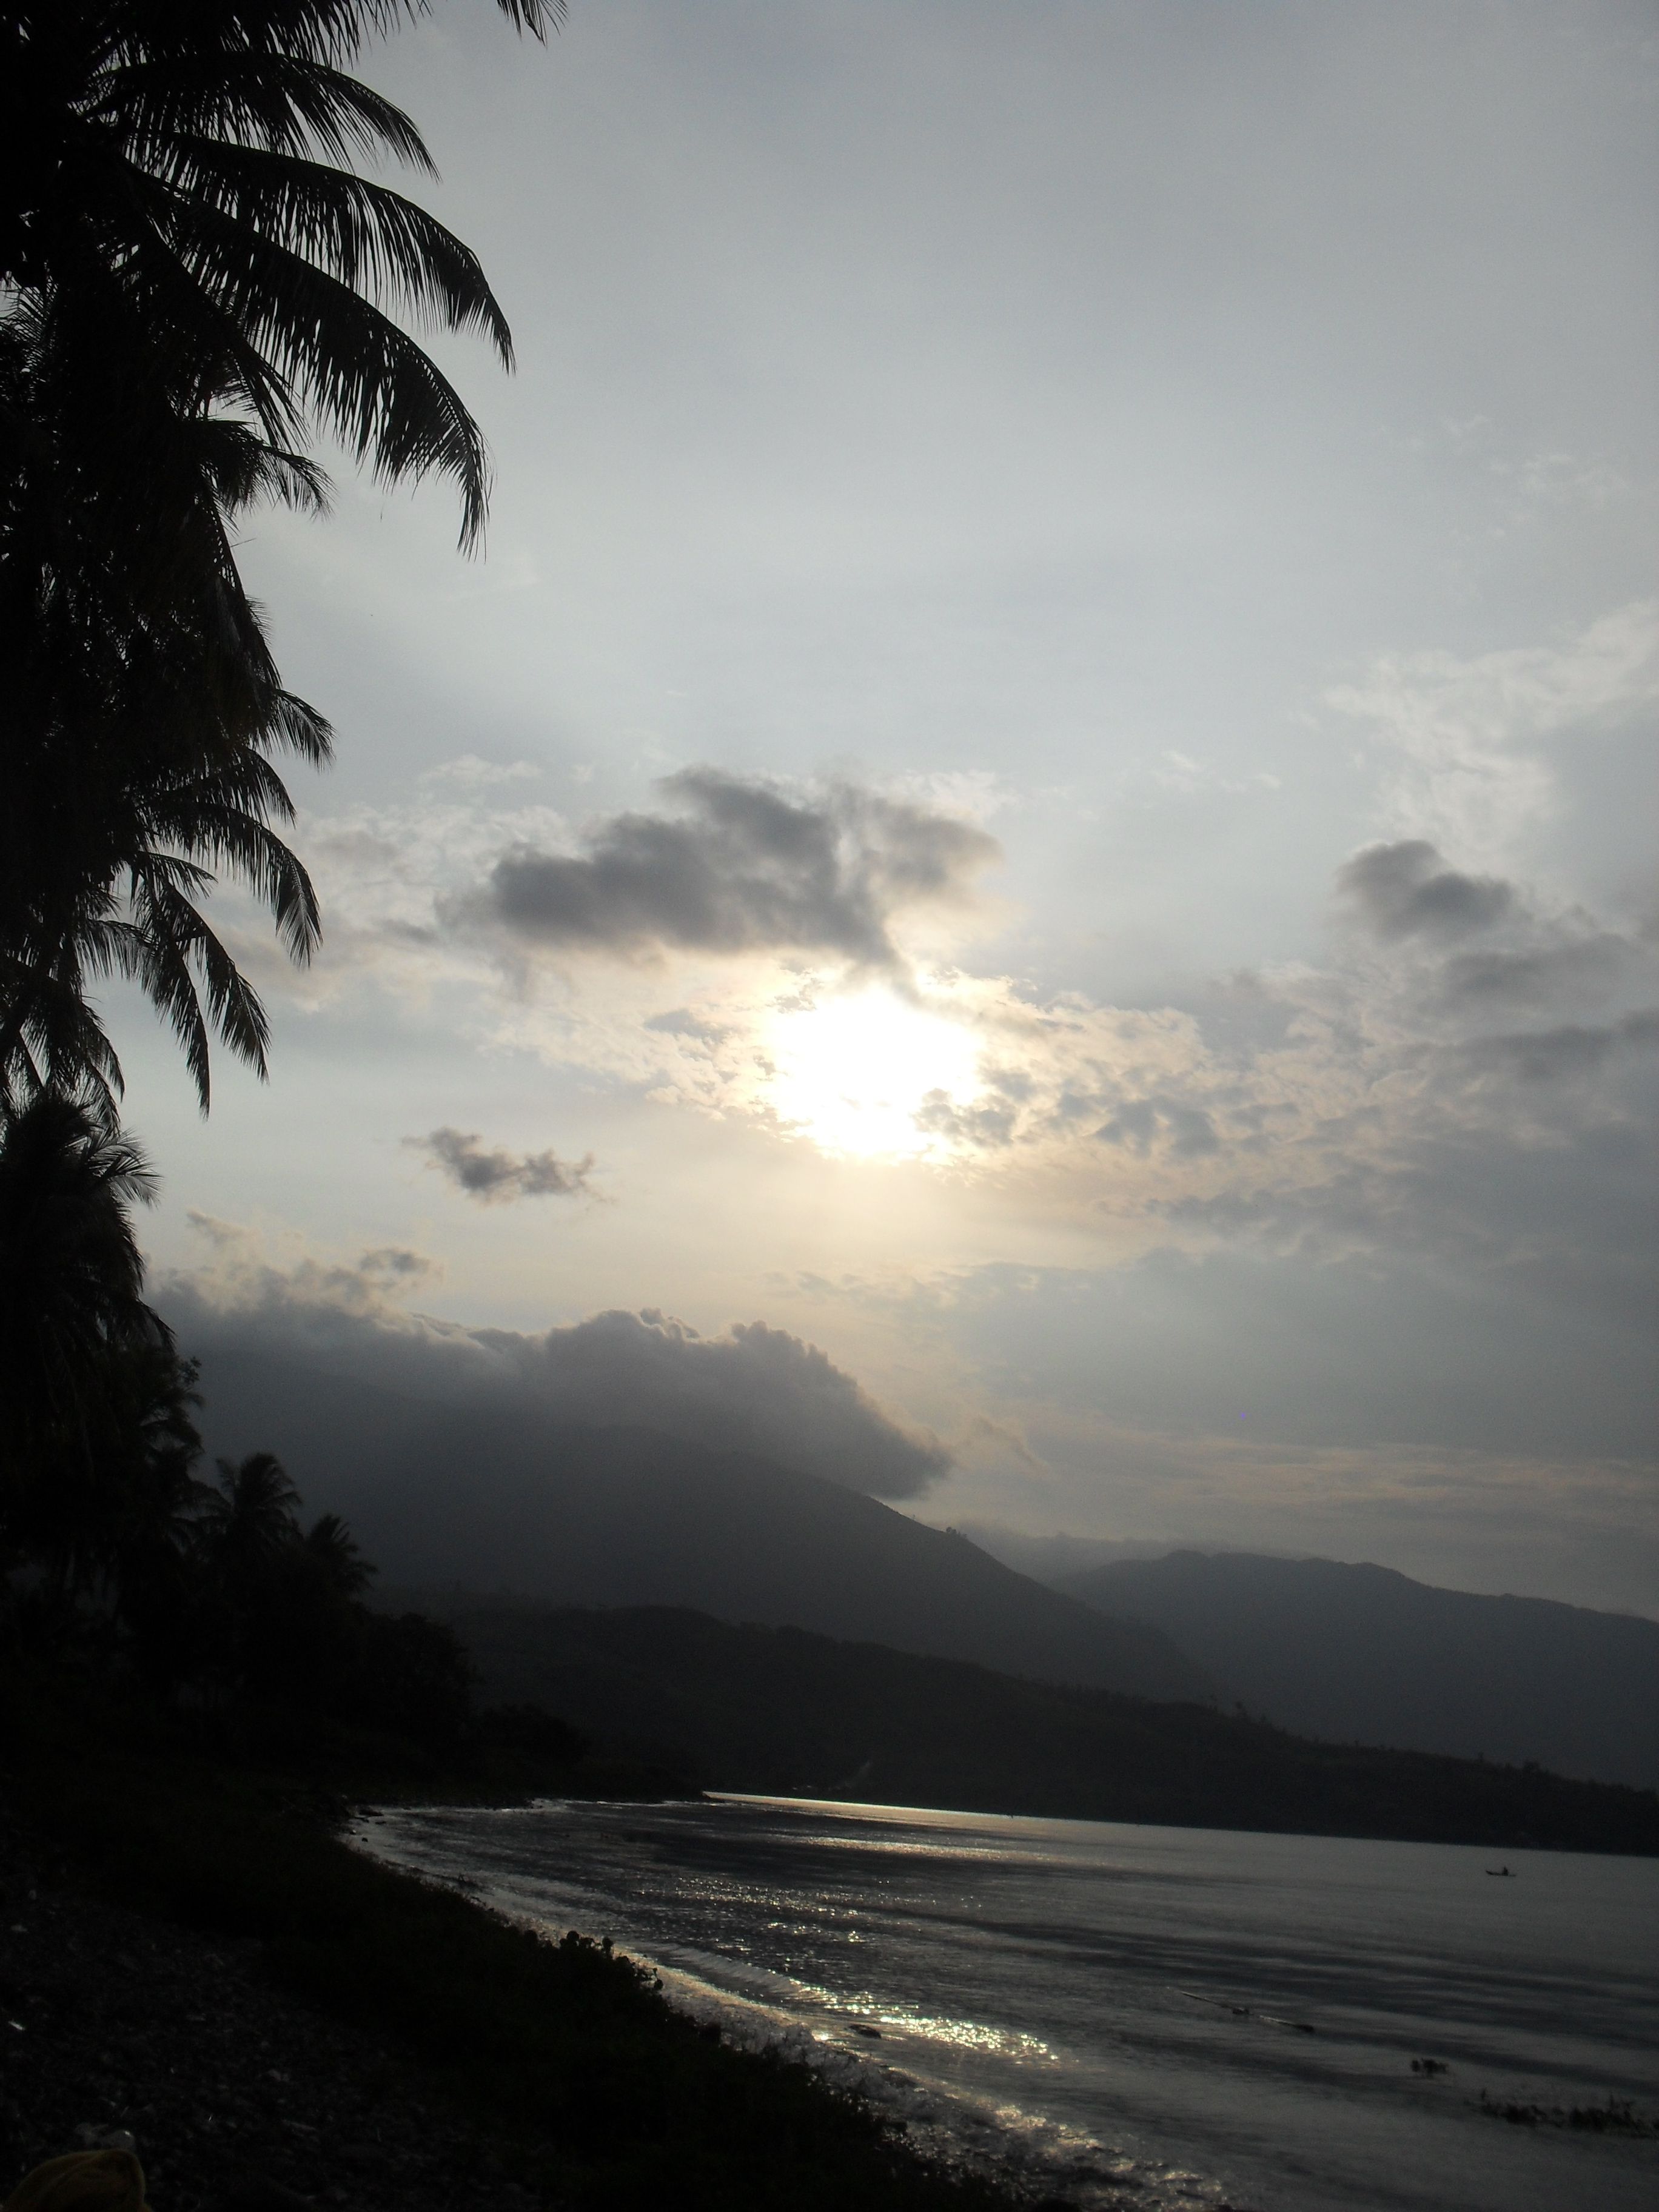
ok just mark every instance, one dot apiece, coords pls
pixel 206 280
pixel 359 231
pixel 173 943
pixel 387 402
pixel 288 104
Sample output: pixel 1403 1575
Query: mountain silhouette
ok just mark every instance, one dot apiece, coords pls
pixel 1363 1655
pixel 781 1711
pixel 494 1500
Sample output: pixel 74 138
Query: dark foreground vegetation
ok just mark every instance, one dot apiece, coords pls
pixel 558 2063
pixel 779 1710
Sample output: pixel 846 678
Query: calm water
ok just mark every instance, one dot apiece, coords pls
pixel 1124 2010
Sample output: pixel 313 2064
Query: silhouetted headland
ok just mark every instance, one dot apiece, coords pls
pixel 786 1712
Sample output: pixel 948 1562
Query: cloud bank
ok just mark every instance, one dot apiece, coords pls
pixel 752 1388
pixel 1446 1113
pixel 1469 1073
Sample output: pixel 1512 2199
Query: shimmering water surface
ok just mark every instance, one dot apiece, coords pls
pixel 1152 2016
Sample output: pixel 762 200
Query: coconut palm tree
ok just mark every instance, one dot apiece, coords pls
pixel 250 1519
pixel 143 704
pixel 178 179
pixel 71 1274
pixel 122 898
pixel 332 1553
pixel 110 839
pixel 123 1537
pixel 201 281
pixel 73 1320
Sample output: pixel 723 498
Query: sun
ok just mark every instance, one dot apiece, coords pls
pixel 855 1074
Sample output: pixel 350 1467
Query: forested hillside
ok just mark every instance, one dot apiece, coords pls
pixel 781 1710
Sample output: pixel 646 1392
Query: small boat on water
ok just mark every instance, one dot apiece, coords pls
pixel 1499 1874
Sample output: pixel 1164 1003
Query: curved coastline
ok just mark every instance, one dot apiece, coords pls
pixel 407 2043
pixel 1079 2007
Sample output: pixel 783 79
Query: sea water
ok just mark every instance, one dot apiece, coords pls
pixel 1134 2016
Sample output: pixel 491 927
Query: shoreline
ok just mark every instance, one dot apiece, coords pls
pixel 664 1884
pixel 277 2018
pixel 441 2052
pixel 1029 2157
pixel 229 2090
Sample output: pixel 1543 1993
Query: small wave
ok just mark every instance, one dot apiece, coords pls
pixel 838 2034
pixel 1043 2158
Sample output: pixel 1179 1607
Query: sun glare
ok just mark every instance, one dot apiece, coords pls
pixel 855 1074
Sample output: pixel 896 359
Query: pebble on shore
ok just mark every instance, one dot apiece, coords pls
pixel 122 2032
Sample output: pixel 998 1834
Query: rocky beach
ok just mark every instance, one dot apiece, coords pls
pixel 122 2028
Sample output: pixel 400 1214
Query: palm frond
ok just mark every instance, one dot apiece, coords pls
pixel 290 104
pixel 216 826
pixel 279 336
pixel 242 469
pixel 363 232
pixel 202 354
pixel 53 1044
pixel 386 400
pixel 173 946
pixel 299 729
pixel 201 280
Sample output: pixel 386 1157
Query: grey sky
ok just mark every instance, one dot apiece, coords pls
pixel 1185 475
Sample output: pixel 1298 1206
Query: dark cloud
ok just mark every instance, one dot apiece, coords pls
pixel 1587 967
pixel 1406 890
pixel 754 1389
pixel 742 867
pixel 396 1263
pixel 1550 1055
pixel 1140 1123
pixel 496 1177
pixel 989 1125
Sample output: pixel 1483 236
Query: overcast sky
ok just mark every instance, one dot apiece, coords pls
pixel 1047 785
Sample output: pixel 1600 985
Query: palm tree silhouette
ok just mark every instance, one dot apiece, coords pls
pixel 331 1552
pixel 127 1539
pixel 163 200
pixel 107 844
pixel 143 707
pixel 93 1401
pixel 250 1519
pixel 70 1305
pixel 201 281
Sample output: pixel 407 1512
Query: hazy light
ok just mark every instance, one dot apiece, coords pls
pixel 854 1073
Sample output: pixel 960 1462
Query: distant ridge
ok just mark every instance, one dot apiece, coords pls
pixel 1363 1655
pixel 448 1494
pixel 781 1711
